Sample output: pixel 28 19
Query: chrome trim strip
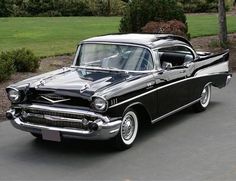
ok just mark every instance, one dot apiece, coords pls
pixel 115 70
pixel 64 110
pixel 174 111
pixel 164 86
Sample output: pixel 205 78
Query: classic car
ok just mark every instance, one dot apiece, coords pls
pixel 117 83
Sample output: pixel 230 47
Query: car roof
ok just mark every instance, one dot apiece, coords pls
pixel 148 40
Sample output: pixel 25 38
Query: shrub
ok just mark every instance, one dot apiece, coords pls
pixel 6 65
pixel 25 60
pixel 199 6
pixel 170 27
pixel 140 12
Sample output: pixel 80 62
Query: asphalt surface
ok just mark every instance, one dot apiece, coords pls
pixel 186 146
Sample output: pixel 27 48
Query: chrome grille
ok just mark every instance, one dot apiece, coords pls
pixel 55 119
pixel 39 97
pixel 51 113
pixel 60 124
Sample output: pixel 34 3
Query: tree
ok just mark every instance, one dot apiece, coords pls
pixel 222 23
pixel 139 12
pixel 3 9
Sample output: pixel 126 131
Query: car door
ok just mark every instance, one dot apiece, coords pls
pixel 174 87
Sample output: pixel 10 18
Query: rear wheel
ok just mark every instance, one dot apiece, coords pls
pixel 204 101
pixel 128 131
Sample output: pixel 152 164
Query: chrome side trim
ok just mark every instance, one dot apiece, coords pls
pixel 174 111
pixel 164 86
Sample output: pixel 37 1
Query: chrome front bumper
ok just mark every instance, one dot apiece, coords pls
pixel 105 128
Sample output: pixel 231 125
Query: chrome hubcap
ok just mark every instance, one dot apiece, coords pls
pixel 205 97
pixel 128 128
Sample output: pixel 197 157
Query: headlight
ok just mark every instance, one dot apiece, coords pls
pixel 100 104
pixel 14 95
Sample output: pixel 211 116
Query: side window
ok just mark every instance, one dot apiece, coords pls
pixel 175 56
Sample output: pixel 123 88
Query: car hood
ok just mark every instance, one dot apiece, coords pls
pixel 82 81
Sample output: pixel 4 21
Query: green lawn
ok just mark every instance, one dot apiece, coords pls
pixel 202 25
pixel 53 36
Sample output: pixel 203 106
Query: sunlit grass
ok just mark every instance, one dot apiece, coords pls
pixel 48 36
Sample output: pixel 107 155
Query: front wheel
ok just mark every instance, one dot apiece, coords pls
pixel 128 131
pixel 204 101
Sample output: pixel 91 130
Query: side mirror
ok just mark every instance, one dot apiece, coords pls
pixel 167 65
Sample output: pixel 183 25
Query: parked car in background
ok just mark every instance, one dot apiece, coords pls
pixel 116 83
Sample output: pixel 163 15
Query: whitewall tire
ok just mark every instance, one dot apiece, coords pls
pixel 204 99
pixel 128 131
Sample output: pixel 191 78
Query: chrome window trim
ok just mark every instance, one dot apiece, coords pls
pixel 183 45
pixel 102 69
pixel 76 56
pixel 114 43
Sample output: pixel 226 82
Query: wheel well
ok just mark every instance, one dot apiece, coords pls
pixel 143 115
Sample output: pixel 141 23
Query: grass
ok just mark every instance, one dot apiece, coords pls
pixel 60 35
pixel 203 25
pixel 52 36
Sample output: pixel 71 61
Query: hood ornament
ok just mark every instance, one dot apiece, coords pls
pixel 85 86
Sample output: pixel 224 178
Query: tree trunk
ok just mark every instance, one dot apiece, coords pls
pixel 109 7
pixel 222 23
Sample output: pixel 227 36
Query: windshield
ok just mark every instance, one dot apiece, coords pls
pixel 112 56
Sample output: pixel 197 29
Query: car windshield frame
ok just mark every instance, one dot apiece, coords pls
pixel 76 62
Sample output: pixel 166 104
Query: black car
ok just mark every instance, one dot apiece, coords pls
pixel 116 83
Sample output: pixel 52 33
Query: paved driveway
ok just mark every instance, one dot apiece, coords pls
pixel 186 146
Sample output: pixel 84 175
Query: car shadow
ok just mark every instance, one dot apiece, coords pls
pixel 171 121
pixel 74 146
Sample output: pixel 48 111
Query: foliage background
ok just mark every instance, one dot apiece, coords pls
pixel 90 7
pixel 61 7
